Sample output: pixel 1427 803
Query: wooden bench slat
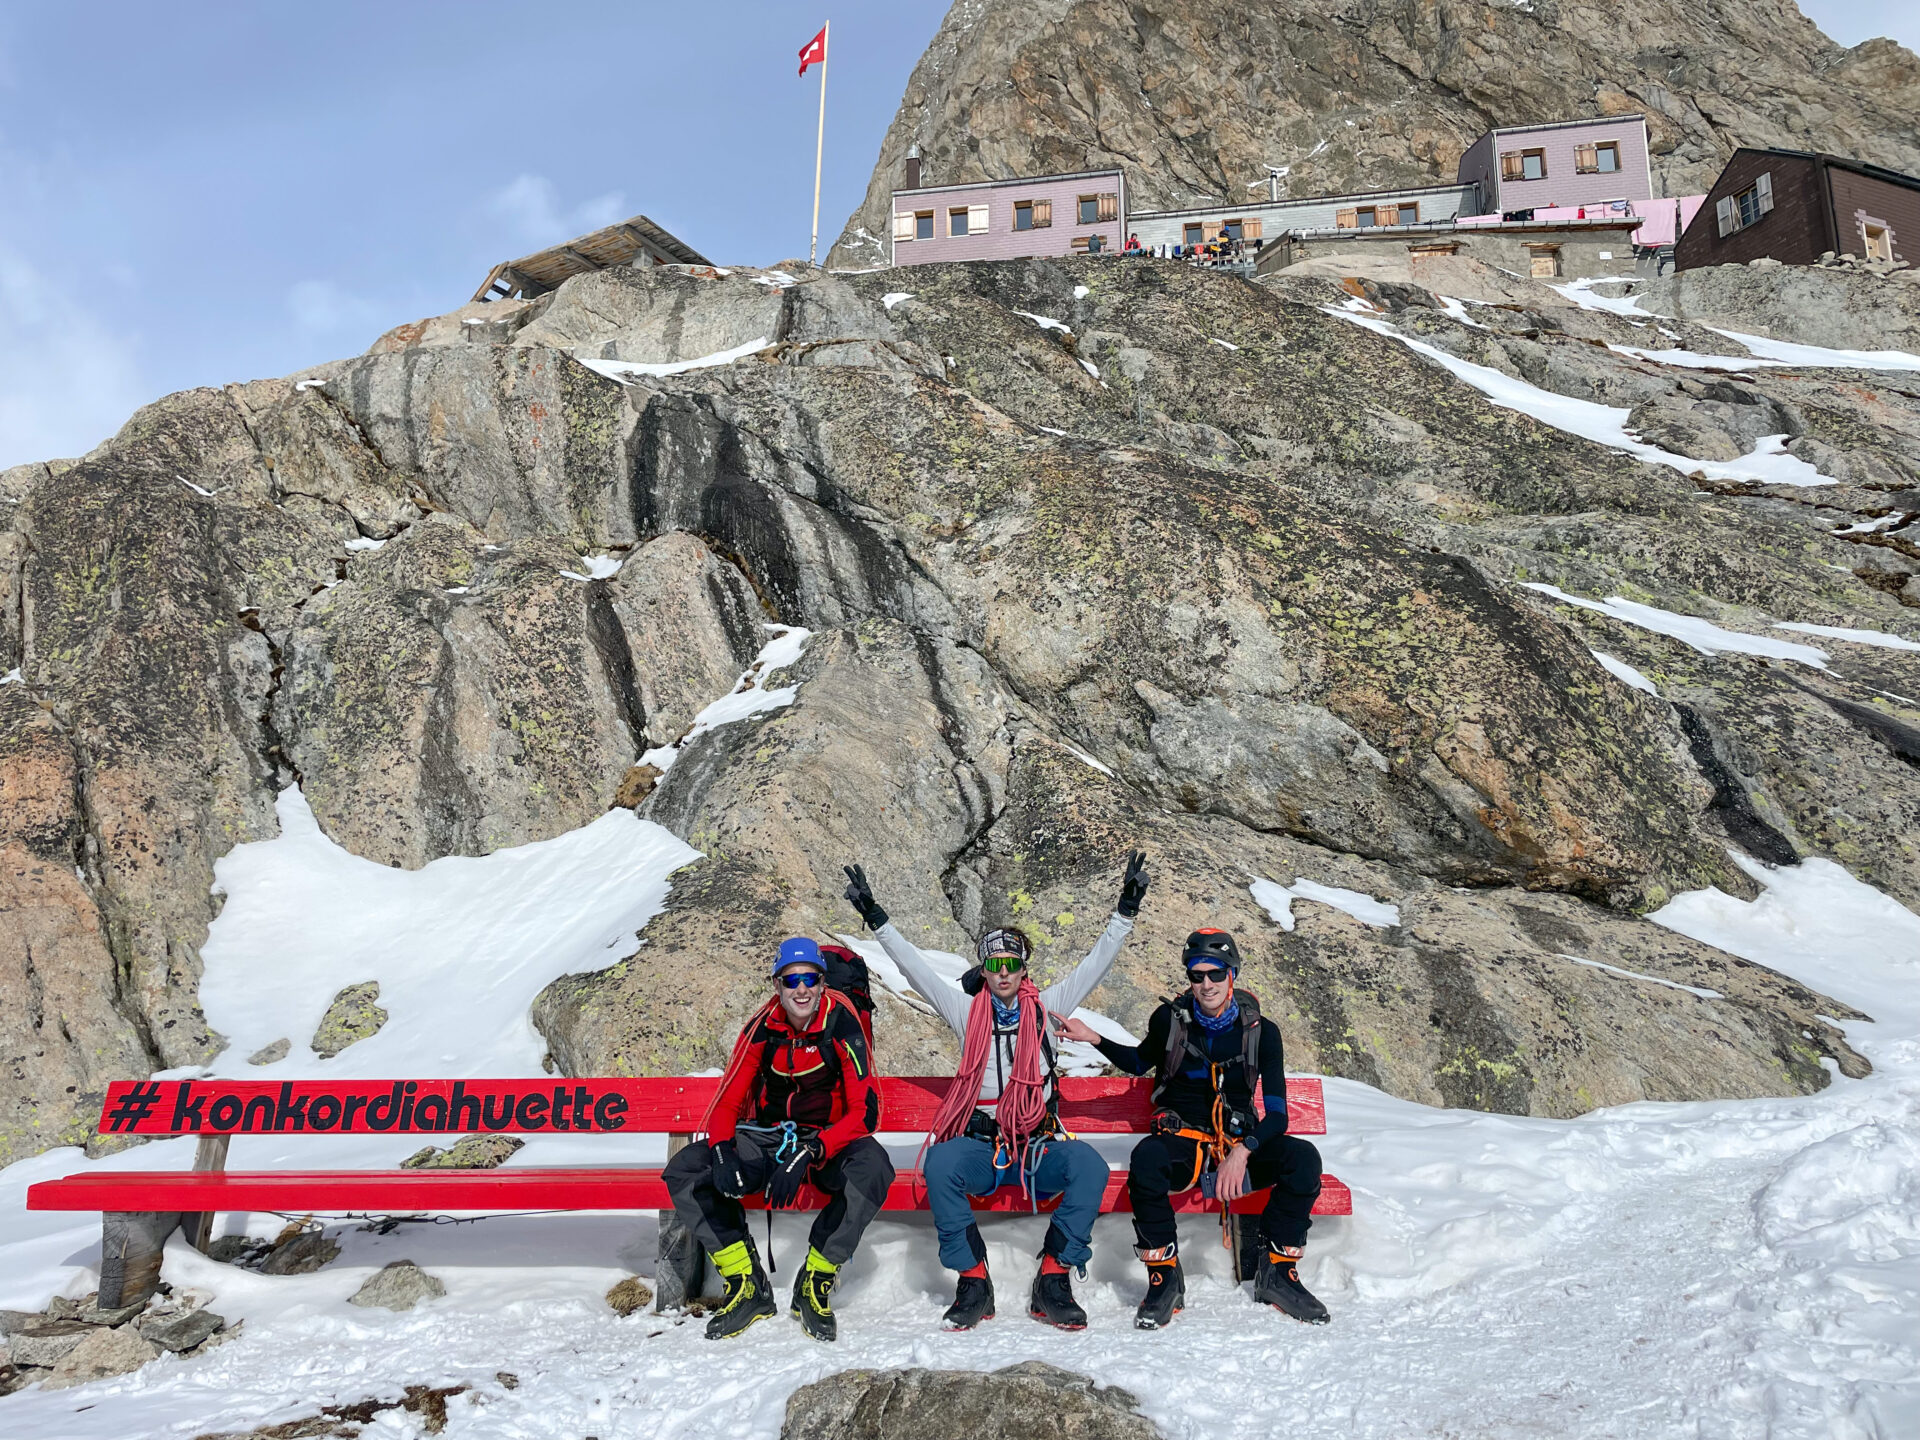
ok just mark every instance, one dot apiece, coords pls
pixel 1098 1105
pixel 300 1192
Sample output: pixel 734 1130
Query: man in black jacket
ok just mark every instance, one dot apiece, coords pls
pixel 1206 1049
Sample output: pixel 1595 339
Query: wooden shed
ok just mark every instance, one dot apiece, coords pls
pixel 633 239
pixel 1794 205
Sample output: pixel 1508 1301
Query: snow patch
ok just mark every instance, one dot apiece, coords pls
pixel 894 297
pixel 1580 292
pixel 1858 637
pixel 1090 368
pixel 1080 292
pixel 1785 352
pixel 364 542
pixel 624 371
pixel 1044 323
pixel 597 567
pixel 1620 670
pixel 749 696
pixel 1223 344
pixel 1701 991
pixel 1769 464
pixel 311 385
pixel 1702 635
pixel 1277 900
pixel 1458 311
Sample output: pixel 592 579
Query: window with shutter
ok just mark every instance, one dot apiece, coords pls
pixel 1347 219
pixel 1023 214
pixel 1586 159
pixel 1409 214
pixel 1607 157
pixel 1724 216
pixel 977 219
pixel 1193 235
pixel 1249 229
pixel 1386 215
pixel 903 227
pixel 1042 214
pixel 1763 191
pixel 1511 165
pixel 957 223
pixel 1109 207
pixel 1533 164
pixel 923 224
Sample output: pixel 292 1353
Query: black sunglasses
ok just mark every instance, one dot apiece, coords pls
pixel 808 978
pixel 1211 975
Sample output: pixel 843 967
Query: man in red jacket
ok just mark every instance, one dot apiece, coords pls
pixel 798 1104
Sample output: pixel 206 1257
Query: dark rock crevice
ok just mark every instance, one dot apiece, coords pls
pixel 1743 824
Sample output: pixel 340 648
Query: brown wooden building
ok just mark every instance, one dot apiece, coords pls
pixel 1794 205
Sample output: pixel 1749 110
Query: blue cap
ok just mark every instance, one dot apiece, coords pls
pixel 799 951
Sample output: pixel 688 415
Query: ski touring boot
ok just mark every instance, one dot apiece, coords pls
pixel 1052 1302
pixel 812 1295
pixel 1277 1283
pixel 1166 1288
pixel 748 1296
pixel 972 1300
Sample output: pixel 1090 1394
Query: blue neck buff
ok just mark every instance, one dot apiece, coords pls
pixel 1005 1017
pixel 1214 1024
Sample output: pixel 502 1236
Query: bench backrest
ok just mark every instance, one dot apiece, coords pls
pixel 664 1105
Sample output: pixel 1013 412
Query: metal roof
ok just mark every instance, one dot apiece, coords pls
pixel 544 270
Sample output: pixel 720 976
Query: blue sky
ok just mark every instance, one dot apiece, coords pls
pixel 193 192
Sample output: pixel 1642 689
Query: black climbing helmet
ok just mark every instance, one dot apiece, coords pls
pixel 1214 945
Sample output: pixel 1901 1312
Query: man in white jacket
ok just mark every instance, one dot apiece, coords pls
pixel 1000 1124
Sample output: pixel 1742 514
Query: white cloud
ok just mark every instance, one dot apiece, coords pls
pixel 530 207
pixel 322 307
pixel 68 377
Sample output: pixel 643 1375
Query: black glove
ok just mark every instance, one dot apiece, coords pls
pixel 784 1188
pixel 728 1176
pixel 1133 885
pixel 860 895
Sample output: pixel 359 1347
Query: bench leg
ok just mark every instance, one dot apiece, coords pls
pixel 681 1274
pixel 130 1249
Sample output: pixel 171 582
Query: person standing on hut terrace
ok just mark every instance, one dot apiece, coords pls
pixel 802 1071
pixel 1208 1049
pixel 1000 1124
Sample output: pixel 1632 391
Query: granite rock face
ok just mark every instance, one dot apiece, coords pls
pixel 1028 1401
pixel 1194 102
pixel 1843 307
pixel 1203 567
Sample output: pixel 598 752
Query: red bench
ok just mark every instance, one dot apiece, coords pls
pixel 141 1208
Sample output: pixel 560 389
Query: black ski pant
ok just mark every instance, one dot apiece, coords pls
pixel 1287 1167
pixel 855 1180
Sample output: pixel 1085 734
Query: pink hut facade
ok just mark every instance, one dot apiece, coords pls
pixel 1566 165
pixel 1010 219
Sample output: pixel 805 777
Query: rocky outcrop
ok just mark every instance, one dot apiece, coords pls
pixel 1194 102
pixel 1200 567
pixel 1028 1401
pixel 1841 306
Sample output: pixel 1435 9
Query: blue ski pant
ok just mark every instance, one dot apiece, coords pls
pixel 958 1168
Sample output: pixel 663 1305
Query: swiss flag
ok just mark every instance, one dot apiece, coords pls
pixel 814 52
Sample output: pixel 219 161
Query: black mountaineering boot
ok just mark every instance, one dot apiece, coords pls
pixel 972 1300
pixel 748 1297
pixel 812 1293
pixel 1052 1301
pixel 1277 1283
pixel 1166 1288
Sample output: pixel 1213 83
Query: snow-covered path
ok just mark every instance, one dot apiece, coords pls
pixel 1740 1269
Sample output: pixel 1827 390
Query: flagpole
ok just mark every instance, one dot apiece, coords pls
pixel 819 149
